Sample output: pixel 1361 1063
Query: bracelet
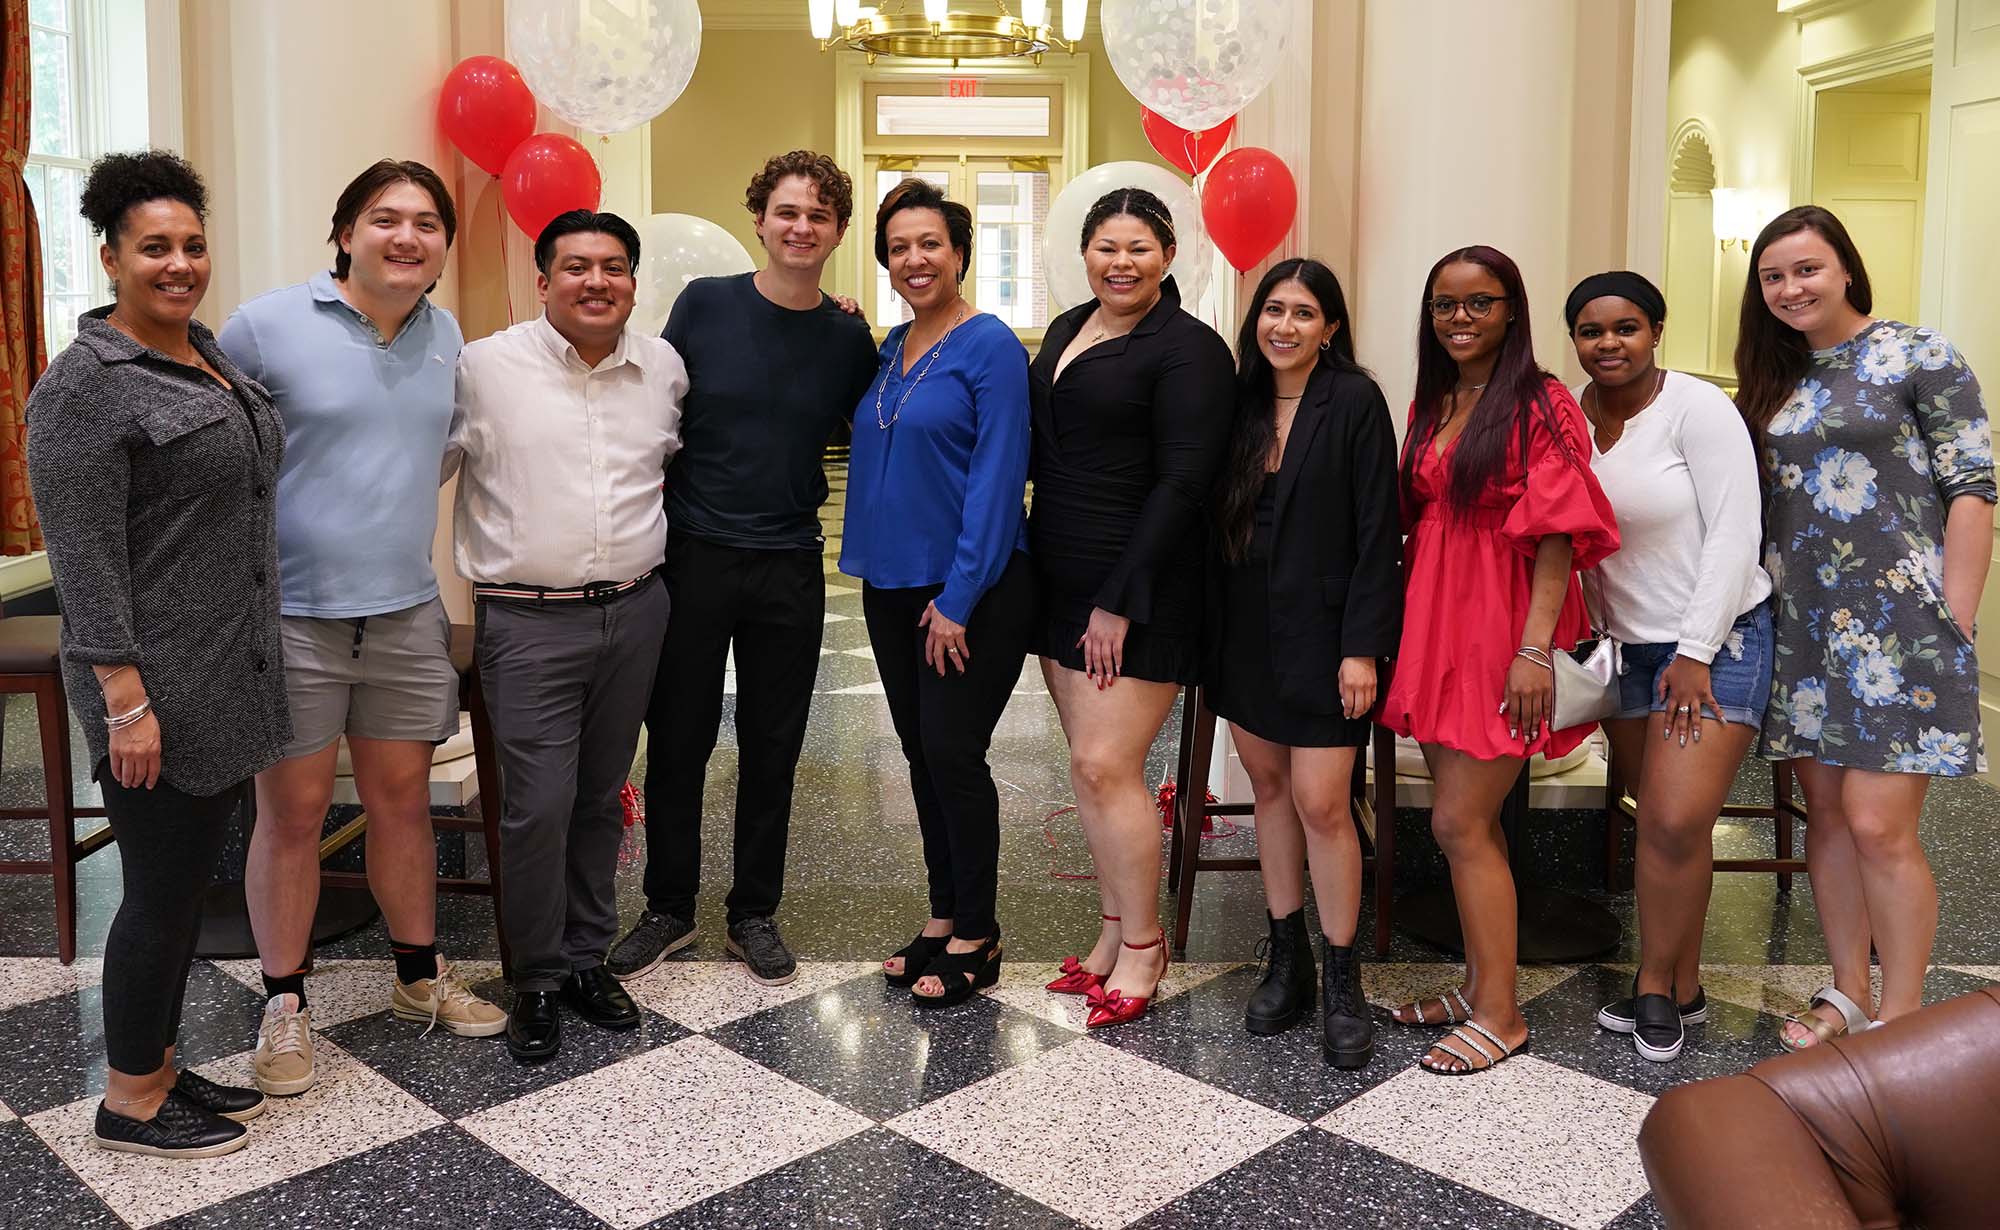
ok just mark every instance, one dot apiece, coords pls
pixel 114 674
pixel 120 721
pixel 1537 656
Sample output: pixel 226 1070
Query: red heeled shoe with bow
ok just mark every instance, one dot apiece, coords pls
pixel 1074 979
pixel 1118 1008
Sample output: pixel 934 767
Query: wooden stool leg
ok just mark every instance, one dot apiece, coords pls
pixel 52 719
pixel 1190 806
pixel 1385 837
pixel 1781 815
pixel 486 766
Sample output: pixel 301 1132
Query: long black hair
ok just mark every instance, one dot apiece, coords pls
pixel 1255 430
pixel 1770 354
pixel 1516 392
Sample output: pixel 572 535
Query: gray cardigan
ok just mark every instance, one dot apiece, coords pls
pixel 155 487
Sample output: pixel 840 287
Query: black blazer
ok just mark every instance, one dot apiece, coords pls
pixel 1126 449
pixel 1336 575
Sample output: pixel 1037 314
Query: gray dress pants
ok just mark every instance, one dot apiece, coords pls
pixel 567 685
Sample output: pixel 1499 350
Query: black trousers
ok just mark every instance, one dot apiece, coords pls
pixel 945 724
pixel 772 606
pixel 168 841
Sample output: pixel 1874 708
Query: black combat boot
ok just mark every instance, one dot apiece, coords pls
pixel 1347 1033
pixel 1286 993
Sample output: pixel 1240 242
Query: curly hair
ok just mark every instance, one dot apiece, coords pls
pixel 117 182
pixel 835 189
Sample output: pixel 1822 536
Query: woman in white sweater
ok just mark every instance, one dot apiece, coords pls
pixel 1686 598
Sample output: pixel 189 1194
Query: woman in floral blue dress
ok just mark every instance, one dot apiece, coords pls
pixel 1878 470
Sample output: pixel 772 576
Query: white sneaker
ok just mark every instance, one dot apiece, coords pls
pixel 284 1062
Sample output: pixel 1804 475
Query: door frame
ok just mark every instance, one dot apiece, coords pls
pixel 1866 65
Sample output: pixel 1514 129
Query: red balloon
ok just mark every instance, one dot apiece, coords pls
pixel 1248 204
pixel 1191 151
pixel 546 175
pixel 486 110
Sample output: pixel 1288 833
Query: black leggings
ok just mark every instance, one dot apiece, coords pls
pixel 945 726
pixel 168 841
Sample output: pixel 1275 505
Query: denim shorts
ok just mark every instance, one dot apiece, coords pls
pixel 1739 678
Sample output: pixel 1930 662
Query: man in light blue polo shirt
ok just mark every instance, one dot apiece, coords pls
pixel 360 364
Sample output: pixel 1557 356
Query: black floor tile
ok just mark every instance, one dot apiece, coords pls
pixel 1565 1031
pixel 867 1046
pixel 41 1191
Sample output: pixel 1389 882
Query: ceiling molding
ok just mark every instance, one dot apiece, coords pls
pixel 790 16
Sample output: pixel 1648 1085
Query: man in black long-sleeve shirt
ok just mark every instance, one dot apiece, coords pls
pixel 774 365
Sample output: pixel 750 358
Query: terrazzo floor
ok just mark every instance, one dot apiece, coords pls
pixel 832 1102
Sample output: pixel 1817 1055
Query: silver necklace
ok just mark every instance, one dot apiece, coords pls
pixel 921 372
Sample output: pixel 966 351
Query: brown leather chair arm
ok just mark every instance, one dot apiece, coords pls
pixel 1729 1154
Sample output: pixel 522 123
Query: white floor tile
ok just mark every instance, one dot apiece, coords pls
pixel 705 994
pixel 1552 1140
pixel 636 1140
pixel 23 980
pixel 1391 985
pixel 1025 987
pixel 350 1110
pixel 1094 1133
pixel 1776 989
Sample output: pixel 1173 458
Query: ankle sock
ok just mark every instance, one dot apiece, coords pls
pixel 293 983
pixel 414 962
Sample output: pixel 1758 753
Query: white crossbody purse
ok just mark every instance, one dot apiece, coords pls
pixel 1586 676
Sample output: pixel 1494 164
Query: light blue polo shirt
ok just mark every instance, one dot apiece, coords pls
pixel 365 429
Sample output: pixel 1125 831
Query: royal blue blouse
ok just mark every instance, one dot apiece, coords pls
pixel 934 497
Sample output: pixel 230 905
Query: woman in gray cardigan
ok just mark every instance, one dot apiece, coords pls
pixel 153 461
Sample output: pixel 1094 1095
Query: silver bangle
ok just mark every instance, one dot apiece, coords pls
pixel 1536 656
pixel 120 721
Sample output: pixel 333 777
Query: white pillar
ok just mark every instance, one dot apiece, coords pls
pixel 1465 138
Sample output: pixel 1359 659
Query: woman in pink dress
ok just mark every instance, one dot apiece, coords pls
pixel 1501 511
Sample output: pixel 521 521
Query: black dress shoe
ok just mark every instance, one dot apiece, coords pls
pixel 600 999
pixel 534 1028
pixel 230 1102
pixel 181 1128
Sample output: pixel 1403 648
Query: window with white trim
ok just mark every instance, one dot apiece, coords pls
pixel 88 75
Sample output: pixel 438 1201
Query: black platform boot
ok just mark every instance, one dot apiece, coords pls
pixel 1286 993
pixel 1347 1033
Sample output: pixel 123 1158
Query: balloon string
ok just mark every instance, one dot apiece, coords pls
pixel 506 274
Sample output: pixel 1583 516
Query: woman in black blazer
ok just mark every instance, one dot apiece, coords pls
pixel 1131 400
pixel 1306 593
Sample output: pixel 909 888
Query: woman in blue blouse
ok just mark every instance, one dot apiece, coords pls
pixel 936 533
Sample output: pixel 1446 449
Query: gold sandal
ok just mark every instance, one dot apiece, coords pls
pixel 1852 1019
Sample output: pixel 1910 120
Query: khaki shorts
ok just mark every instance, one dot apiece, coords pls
pixel 385 676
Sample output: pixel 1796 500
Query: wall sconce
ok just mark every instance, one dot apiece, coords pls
pixel 1734 213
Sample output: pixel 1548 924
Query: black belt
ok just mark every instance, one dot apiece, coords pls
pixel 595 592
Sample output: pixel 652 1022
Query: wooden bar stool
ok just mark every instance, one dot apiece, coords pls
pixel 1620 809
pixel 30 662
pixel 483 817
pixel 1374 812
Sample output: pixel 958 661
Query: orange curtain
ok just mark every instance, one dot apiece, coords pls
pixel 23 352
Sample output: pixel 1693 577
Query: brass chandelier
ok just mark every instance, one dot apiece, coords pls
pixel 947 30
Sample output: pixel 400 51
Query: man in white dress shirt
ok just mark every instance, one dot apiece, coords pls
pixel 561 433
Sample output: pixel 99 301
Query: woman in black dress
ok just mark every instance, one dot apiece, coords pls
pixel 1306 593
pixel 1131 418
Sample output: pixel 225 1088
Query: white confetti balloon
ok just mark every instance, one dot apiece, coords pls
pixel 675 249
pixel 605 65
pixel 1062 236
pixel 1196 62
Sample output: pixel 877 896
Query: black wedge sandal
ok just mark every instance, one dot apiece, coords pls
pixel 963 974
pixel 917 956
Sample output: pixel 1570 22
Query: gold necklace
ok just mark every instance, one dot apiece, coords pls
pixel 193 358
pixel 921 372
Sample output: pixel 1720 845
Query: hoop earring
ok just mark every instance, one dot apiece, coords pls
pixel 1327 344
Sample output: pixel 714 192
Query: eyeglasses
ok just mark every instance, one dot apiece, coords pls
pixel 1478 307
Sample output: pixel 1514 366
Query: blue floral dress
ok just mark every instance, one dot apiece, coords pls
pixel 1882 432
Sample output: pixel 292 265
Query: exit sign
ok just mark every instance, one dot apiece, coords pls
pixel 961 87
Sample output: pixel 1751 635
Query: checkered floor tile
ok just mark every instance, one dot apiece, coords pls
pixel 835 1101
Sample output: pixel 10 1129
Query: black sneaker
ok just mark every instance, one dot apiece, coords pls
pixel 181 1128
pixel 756 942
pixel 1617 1016
pixel 653 940
pixel 230 1102
pixel 1657 1032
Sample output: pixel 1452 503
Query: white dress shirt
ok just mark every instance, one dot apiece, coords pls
pixel 1683 481
pixel 559 463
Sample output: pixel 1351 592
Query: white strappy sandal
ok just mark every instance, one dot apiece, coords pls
pixel 1461 1014
pixel 1488 1059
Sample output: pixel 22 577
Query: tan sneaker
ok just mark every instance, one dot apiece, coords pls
pixel 284 1062
pixel 446 1001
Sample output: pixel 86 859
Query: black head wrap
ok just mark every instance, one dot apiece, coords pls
pixel 1625 285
